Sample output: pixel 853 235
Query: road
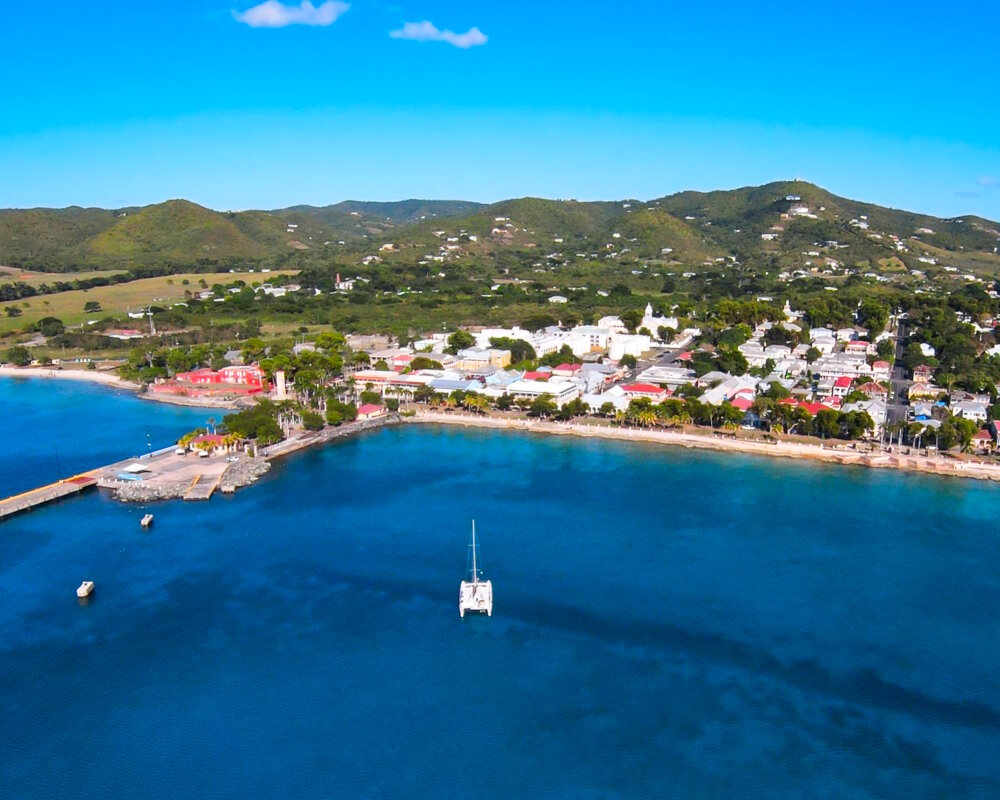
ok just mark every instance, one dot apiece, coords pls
pixel 897 410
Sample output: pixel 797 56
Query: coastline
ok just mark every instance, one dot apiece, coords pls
pixel 81 375
pixel 193 402
pixel 781 449
pixel 113 381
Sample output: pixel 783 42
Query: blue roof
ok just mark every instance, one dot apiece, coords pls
pixel 452 386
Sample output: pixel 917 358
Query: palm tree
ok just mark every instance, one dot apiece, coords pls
pixel 646 417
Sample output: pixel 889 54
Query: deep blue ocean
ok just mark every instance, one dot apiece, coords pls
pixel 666 623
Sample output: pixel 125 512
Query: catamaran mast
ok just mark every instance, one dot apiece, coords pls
pixel 475 573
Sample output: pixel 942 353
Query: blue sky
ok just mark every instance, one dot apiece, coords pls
pixel 118 104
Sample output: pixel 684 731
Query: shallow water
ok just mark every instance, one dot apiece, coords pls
pixel 666 624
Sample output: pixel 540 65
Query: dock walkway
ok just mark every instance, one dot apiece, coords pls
pixel 46 494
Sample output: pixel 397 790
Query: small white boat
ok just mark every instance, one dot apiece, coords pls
pixel 475 595
pixel 146 521
pixel 85 589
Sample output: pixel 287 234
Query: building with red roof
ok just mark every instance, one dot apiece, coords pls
pixel 881 370
pixel 371 411
pixel 875 391
pixel 239 380
pixel 842 386
pixel 637 390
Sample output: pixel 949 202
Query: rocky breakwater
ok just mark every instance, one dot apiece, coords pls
pixel 243 473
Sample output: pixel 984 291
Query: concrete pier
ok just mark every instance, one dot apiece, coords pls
pixel 165 474
pixel 46 494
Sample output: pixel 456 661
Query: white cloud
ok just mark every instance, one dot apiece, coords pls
pixel 427 32
pixel 272 14
pixel 987 180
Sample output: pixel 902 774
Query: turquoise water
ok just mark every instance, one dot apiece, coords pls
pixel 666 624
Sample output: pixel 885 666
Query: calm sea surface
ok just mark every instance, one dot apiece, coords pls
pixel 666 623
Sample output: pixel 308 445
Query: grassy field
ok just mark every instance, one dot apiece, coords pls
pixel 38 278
pixel 118 299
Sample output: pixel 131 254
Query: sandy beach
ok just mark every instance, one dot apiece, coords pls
pixel 73 374
pixel 112 380
pixel 839 454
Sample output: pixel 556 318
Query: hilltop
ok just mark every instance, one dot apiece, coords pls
pixel 784 225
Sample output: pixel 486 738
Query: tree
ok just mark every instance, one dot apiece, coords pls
pixel 253 350
pixel 542 406
pixel 312 421
pixel 19 356
pixel 628 361
pixel 812 354
pixel 423 362
pixel 631 319
pixel 50 326
pixel 520 350
pixel 12 311
pixel 460 340
pixel 885 349
pixel 330 341
pixel 423 393
pixel 91 306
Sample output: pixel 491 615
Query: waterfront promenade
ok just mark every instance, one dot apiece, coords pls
pixel 837 453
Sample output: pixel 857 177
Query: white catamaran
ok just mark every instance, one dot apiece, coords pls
pixel 475 595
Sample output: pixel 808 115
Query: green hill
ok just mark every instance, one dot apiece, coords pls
pixel 776 224
pixel 177 232
pixel 43 236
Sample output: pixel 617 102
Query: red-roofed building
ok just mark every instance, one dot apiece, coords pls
pixel 984 440
pixel 567 370
pixel 832 401
pixel 742 402
pixel 881 370
pixel 208 442
pixel 537 376
pixel 251 377
pixel 209 438
pixel 875 391
pixel 637 390
pixel 842 386
pixel 685 356
pixel 371 411
pixel 242 380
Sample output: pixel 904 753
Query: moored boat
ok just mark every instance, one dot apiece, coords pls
pixel 475 595
pixel 146 521
pixel 85 589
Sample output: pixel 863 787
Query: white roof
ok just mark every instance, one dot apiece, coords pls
pixel 135 468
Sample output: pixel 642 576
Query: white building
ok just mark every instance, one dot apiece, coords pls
pixel 560 391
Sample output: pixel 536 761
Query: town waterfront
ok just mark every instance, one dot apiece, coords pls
pixel 55 429
pixel 666 623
